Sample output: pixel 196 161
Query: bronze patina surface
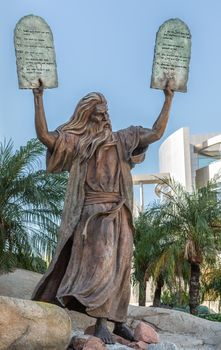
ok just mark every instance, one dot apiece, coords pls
pixel 90 271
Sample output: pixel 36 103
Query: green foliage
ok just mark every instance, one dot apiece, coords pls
pixel 149 242
pixel 211 317
pixel 156 254
pixel 182 229
pixel 175 299
pixel 211 282
pixel 30 207
pixel 203 310
pixel 194 219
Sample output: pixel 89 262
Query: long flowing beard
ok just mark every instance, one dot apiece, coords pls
pixel 95 135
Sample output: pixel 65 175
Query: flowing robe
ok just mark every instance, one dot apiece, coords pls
pixel 90 271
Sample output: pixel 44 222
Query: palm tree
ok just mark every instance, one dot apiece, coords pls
pixel 143 254
pixel 193 220
pixel 182 228
pixel 169 271
pixel 30 207
pixel 157 256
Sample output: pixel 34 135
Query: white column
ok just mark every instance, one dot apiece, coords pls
pixel 141 197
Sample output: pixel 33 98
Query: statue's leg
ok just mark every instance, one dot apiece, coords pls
pixel 123 331
pixel 102 332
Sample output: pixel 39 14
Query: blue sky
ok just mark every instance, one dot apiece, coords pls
pixel 107 46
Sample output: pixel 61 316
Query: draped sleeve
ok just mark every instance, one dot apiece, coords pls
pixel 130 139
pixel 61 157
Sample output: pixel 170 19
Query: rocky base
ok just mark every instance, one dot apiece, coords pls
pixel 176 330
pixel 45 324
pixel 187 332
pixel 82 341
pixel 31 325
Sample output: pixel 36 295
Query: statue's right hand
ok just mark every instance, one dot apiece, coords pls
pixel 39 90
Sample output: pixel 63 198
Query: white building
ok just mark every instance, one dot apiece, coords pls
pixel 191 160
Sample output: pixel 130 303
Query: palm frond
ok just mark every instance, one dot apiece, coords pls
pixel 31 203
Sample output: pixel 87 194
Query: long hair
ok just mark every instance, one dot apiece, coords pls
pixel 91 134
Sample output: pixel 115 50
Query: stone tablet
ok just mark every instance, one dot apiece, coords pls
pixel 171 56
pixel 35 55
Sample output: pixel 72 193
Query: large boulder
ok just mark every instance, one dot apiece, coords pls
pixel 163 346
pixel 180 328
pixel 31 325
pixel 19 284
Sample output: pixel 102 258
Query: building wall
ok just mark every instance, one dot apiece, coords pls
pixel 207 173
pixel 195 140
pixel 178 158
pixel 174 157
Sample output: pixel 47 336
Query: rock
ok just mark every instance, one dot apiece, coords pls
pixel 78 341
pixel 135 345
pixel 121 340
pixel 215 341
pixel 182 329
pixel 86 342
pixel 172 321
pixel 80 321
pixel 94 343
pixel 118 347
pixel 186 331
pixel 31 325
pixel 140 345
pixel 90 330
pixel 183 341
pixel 162 346
pixel 146 333
pixel 19 283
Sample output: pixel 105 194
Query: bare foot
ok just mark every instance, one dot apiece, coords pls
pixel 102 332
pixel 123 331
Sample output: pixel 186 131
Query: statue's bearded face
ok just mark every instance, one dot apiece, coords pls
pixel 91 123
pixel 100 117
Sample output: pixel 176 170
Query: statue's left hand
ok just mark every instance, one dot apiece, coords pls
pixel 168 91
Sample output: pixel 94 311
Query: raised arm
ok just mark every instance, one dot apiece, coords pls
pixel 46 137
pixel 151 135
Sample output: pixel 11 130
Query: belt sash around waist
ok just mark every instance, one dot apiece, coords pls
pixel 102 198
